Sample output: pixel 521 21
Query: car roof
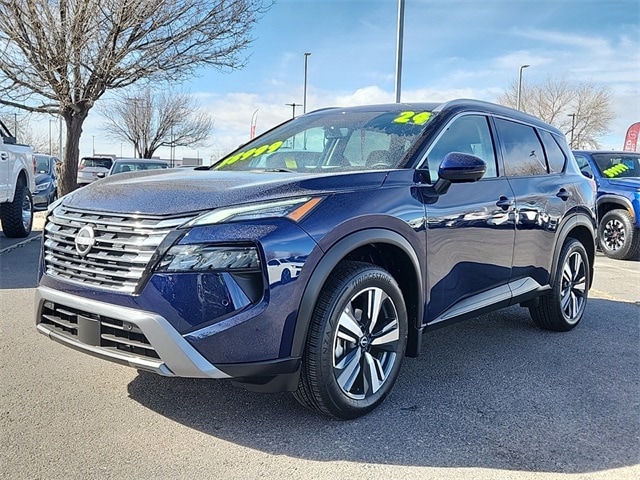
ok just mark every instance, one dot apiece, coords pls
pixel 140 160
pixel 451 107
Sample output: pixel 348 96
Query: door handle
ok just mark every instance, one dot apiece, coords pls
pixel 504 203
pixel 563 194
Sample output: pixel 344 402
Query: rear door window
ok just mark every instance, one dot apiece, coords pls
pixel 523 152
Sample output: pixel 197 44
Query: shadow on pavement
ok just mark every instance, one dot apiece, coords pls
pixel 495 392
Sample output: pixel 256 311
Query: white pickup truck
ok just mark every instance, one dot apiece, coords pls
pixel 17 182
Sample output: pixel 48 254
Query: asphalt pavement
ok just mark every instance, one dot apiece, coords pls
pixel 490 398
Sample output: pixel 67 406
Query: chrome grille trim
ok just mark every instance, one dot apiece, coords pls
pixel 124 245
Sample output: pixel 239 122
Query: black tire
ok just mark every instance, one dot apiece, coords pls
pixel 617 236
pixel 286 276
pixel 17 216
pixel 350 363
pixel 562 308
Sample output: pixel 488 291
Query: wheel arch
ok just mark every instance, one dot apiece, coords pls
pixel 380 247
pixel 581 228
pixel 606 203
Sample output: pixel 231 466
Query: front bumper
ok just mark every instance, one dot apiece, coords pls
pixel 89 326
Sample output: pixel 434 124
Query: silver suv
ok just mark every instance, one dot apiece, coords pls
pixel 90 167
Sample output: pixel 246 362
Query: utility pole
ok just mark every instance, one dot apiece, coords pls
pixel 294 105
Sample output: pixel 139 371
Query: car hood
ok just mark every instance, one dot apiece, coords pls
pixel 42 178
pixel 628 182
pixel 175 192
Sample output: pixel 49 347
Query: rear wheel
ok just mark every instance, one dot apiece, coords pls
pixel 563 306
pixel 356 342
pixel 17 216
pixel 617 236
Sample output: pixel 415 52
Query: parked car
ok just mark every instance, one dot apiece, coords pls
pixel 126 165
pixel 90 168
pixel 46 181
pixel 17 185
pixel 617 177
pixel 179 273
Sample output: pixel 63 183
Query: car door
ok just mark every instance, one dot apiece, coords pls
pixel 470 229
pixel 540 194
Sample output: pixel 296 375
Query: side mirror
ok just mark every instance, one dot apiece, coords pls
pixel 459 167
pixel 587 174
pixel 100 175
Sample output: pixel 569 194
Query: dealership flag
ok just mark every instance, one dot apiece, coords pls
pixel 631 140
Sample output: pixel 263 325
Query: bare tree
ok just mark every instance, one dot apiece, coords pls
pixel 150 119
pixel 583 111
pixel 61 56
pixel 20 127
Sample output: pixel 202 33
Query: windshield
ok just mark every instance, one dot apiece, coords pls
pixel 332 141
pixel 42 164
pixel 88 162
pixel 618 165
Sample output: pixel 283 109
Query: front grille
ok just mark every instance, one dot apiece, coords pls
pixel 97 330
pixel 123 246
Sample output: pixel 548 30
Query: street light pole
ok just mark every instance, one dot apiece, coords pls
pixel 522 67
pixel 399 42
pixel 304 95
pixel 573 126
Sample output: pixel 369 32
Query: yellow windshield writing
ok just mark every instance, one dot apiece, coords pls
pixel 251 153
pixel 615 170
pixel 414 118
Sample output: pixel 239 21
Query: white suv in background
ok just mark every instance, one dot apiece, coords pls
pixel 90 167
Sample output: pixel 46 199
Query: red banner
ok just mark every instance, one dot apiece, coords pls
pixel 631 140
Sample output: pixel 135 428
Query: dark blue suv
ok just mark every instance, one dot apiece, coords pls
pixel 313 258
pixel 617 176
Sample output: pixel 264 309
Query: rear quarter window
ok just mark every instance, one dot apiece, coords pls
pixel 555 155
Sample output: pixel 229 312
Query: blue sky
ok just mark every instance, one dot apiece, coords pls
pixel 452 49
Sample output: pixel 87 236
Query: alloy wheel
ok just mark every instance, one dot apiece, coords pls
pixel 26 212
pixel 365 344
pixel 573 293
pixel 614 234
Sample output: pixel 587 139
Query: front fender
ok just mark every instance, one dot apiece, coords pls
pixel 333 256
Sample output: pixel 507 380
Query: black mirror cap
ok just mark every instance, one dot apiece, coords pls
pixel 457 167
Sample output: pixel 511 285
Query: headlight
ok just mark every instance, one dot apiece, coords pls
pixel 197 258
pixel 54 205
pixel 294 209
pixel 42 186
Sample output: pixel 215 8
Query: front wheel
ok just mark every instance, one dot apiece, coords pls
pixel 356 342
pixel 617 236
pixel 17 216
pixel 563 306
